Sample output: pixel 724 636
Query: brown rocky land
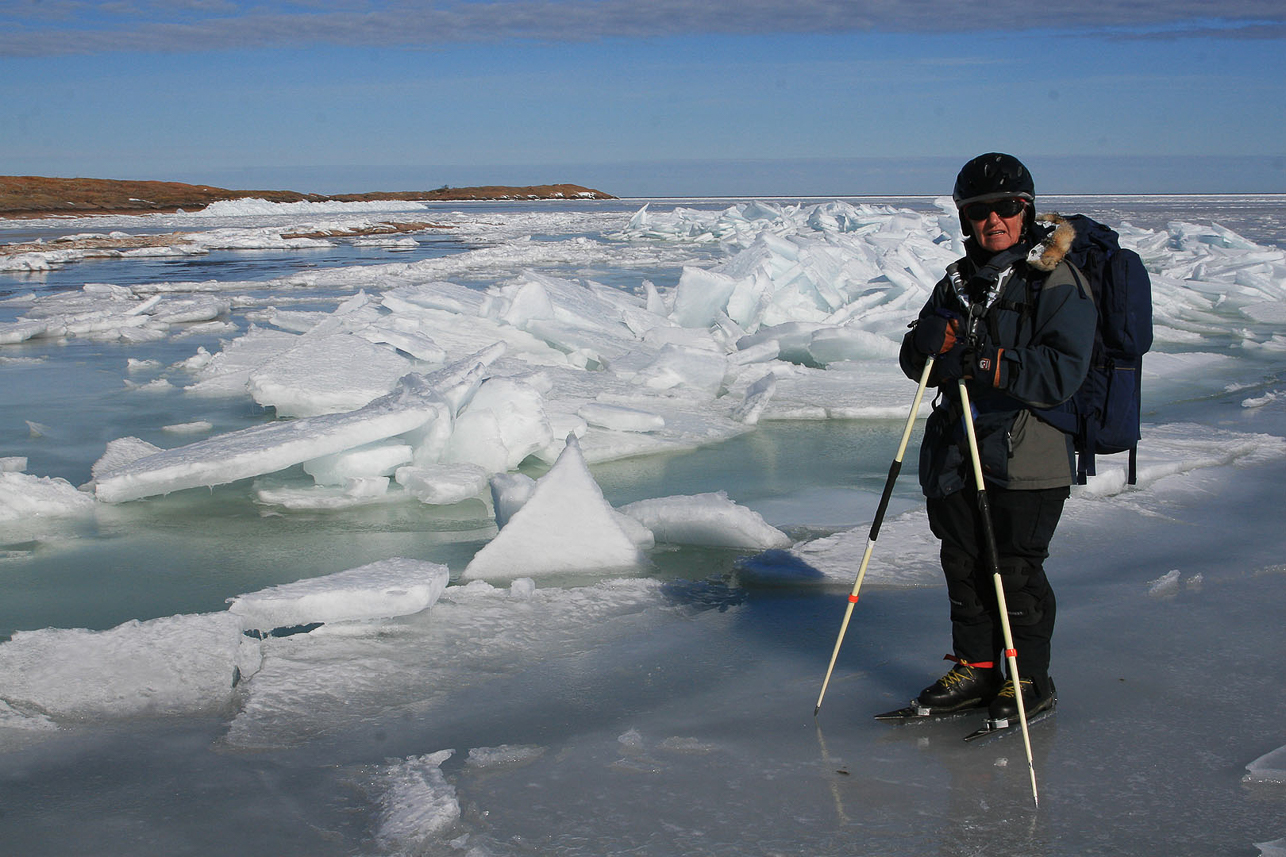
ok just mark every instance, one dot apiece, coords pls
pixel 39 196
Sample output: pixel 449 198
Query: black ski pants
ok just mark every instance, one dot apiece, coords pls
pixel 1024 522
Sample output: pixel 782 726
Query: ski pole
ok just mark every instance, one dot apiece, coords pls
pixel 894 469
pixel 989 538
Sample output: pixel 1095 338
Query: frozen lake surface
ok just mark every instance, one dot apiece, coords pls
pixel 255 597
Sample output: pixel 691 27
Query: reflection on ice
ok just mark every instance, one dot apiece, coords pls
pixel 330 680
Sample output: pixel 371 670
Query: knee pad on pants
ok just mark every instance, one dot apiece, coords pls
pixel 962 586
pixel 1025 591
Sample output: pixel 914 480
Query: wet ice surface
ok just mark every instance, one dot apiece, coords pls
pixel 664 709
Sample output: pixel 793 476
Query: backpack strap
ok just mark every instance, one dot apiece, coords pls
pixel 1085 457
pixel 1138 397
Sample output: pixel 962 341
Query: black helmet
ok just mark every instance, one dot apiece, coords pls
pixel 994 176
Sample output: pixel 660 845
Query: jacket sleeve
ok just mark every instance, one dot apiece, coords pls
pixel 1049 367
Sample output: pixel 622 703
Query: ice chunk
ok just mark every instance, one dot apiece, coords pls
pixel 156 385
pixel 418 805
pixel 1268 768
pixel 620 418
pixel 190 309
pixel 411 342
pixel 1179 448
pixel 835 344
pixel 503 424
pixel 24 496
pixel 227 372
pixel 587 307
pixel 643 538
pixel 757 397
pixel 194 427
pixel 701 296
pixel 178 664
pixel 509 491
pixel 1165 585
pixel 328 683
pixel 914 563
pixel 12 332
pixel 439 295
pixel 373 459
pixel 326 375
pixel 504 756
pixel 566 525
pixel 1260 401
pixel 122 452
pixel 686 370
pixel 293 321
pixel 458 382
pixel 679 744
pixel 1268 312
pixel 356 491
pixel 442 484
pixel 98 311
pixel 255 206
pixel 391 587
pixel 271 447
pixel 755 352
pixel 794 340
pixel 33 721
pixel 861 390
pixel 13 464
pixel 706 519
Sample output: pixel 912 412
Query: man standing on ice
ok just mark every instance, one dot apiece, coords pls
pixel 1014 319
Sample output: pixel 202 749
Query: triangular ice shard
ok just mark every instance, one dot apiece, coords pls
pixel 566 525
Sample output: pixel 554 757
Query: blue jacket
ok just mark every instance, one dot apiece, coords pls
pixel 1039 328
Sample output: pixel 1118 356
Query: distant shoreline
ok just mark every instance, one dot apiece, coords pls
pixel 40 196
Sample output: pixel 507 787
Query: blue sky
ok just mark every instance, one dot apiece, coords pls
pixel 646 97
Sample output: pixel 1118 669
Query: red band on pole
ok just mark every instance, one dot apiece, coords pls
pixel 852 599
pixel 1011 653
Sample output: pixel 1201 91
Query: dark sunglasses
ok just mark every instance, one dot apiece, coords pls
pixel 1007 207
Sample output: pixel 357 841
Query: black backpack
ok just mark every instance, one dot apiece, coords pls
pixel 1103 415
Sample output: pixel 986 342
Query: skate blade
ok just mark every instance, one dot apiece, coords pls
pixel 915 713
pixel 998 728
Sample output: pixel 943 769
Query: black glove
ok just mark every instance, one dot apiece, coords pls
pixel 980 363
pixel 937 333
pixel 954 364
pixel 985 365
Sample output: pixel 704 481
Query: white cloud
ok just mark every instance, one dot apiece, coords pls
pixel 53 28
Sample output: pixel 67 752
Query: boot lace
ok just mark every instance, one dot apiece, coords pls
pixel 958 676
pixel 1007 692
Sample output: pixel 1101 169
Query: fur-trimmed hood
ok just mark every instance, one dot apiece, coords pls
pixel 1051 249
